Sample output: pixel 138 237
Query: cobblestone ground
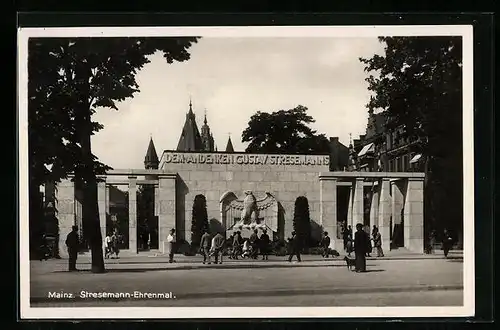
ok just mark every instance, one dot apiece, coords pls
pixel 423 282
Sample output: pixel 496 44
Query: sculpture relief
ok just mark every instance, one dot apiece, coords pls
pixel 249 212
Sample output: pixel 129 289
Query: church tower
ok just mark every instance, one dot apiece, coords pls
pixel 190 139
pixel 151 161
pixel 206 136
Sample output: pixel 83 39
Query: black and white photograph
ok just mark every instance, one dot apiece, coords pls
pixel 248 172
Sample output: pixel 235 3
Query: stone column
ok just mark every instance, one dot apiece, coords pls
pixel 374 206
pixel 398 190
pixel 328 209
pixel 101 204
pixel 414 215
pixel 166 209
pixel 349 206
pixel 357 204
pixel 107 199
pixel 384 213
pixel 65 212
pixel 132 214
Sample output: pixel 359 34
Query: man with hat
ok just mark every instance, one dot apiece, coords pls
pixel 361 242
pixel 264 244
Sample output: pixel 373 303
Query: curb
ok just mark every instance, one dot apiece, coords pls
pixel 208 295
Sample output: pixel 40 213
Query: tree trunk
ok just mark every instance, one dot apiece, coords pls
pixel 92 226
pixel 35 218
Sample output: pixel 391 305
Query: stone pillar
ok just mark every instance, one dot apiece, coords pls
pixel 101 204
pixel 349 207
pixel 374 206
pixel 414 215
pixel 398 190
pixel 107 199
pixel 328 209
pixel 384 213
pixel 166 209
pixel 65 212
pixel 357 204
pixel 132 214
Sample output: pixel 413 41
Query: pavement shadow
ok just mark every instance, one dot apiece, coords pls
pixel 210 267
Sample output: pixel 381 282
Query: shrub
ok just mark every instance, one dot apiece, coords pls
pixel 302 220
pixel 199 221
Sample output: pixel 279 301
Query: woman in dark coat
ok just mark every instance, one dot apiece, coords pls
pixel 361 242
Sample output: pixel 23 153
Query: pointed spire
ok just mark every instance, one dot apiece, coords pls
pixel 350 140
pixel 229 145
pixel 151 160
pixel 190 106
pixel 190 139
pixel 205 119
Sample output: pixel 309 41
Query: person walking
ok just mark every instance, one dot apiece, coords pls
pixel 325 245
pixel 360 246
pixel 171 244
pixel 254 241
pixel 447 242
pixel 294 247
pixel 205 247
pixel 432 242
pixel 237 242
pixel 72 243
pixel 218 247
pixel 377 242
pixel 264 244
pixel 368 242
pixel 107 246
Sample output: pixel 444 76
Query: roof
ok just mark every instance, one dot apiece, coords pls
pixel 190 139
pixel 151 155
pixel 229 146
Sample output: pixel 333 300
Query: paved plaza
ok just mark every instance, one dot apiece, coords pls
pixel 410 281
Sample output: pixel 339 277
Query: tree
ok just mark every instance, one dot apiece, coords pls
pixel 69 79
pixel 418 82
pixel 199 221
pixel 284 131
pixel 302 220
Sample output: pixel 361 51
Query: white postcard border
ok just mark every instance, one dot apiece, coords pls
pixel 27 312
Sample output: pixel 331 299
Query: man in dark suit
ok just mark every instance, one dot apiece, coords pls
pixel 325 245
pixel 264 244
pixel 294 247
pixel 72 243
pixel 360 248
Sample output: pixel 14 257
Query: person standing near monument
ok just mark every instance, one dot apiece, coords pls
pixel 447 242
pixel 218 247
pixel 377 241
pixel 254 243
pixel 264 244
pixel 294 247
pixel 205 246
pixel 171 245
pixel 325 245
pixel 237 242
pixel 360 246
pixel 72 243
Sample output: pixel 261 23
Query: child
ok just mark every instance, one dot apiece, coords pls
pixel 246 249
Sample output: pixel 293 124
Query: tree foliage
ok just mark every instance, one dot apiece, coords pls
pixel 199 221
pixel 302 220
pixel 418 82
pixel 284 131
pixel 69 80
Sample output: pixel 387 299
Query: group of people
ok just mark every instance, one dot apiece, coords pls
pixel 375 241
pixel 112 244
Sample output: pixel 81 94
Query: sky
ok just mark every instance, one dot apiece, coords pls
pixel 231 79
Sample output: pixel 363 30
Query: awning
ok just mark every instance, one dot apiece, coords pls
pixel 370 147
pixel 415 158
